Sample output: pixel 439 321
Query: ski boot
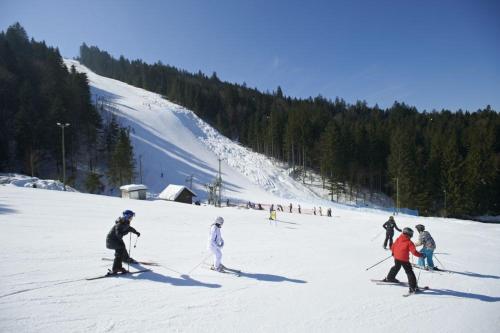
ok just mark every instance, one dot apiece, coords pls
pixel 391 280
pixel 413 290
pixel 120 270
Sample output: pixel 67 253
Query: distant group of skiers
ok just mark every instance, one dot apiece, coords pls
pixel 272 210
pixel 402 247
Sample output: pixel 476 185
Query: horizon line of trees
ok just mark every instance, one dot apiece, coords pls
pixel 444 162
pixel 37 91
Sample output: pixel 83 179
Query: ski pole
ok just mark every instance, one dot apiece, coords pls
pixel 129 251
pixel 136 241
pixel 439 261
pixel 376 236
pixel 201 262
pixel 381 261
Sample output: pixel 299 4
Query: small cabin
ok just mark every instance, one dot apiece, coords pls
pixel 177 193
pixel 134 191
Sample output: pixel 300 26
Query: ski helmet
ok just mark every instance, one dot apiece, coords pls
pixel 420 227
pixel 128 214
pixel 219 220
pixel 408 231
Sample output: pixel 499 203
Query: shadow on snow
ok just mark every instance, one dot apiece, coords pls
pixel 270 277
pixel 184 280
pixel 455 293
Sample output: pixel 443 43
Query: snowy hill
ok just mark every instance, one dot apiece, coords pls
pixel 304 274
pixel 172 143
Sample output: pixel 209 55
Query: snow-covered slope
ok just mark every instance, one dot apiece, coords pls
pixel 306 274
pixel 172 143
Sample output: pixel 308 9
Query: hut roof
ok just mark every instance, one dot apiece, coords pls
pixel 171 192
pixel 133 187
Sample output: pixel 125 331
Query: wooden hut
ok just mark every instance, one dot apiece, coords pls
pixel 177 193
pixel 134 191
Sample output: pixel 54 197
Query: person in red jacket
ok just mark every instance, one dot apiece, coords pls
pixel 401 252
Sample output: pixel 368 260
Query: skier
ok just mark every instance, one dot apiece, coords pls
pixel 298 207
pixel 329 212
pixel 272 212
pixel 320 211
pixel 428 246
pixel 216 243
pixel 401 252
pixel 314 210
pixel 389 231
pixel 115 242
pixel 290 207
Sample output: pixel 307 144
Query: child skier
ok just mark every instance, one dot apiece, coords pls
pixel 389 231
pixel 115 242
pixel 401 252
pixel 428 246
pixel 216 243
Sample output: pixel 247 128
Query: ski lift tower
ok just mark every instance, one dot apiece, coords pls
pixel 218 185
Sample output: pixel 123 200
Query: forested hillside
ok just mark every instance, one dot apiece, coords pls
pixel 36 92
pixel 442 162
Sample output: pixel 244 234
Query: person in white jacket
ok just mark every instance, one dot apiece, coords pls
pixel 216 243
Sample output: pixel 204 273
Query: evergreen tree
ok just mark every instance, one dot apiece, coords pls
pixel 122 164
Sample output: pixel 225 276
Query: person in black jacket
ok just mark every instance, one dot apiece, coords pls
pixel 115 242
pixel 389 231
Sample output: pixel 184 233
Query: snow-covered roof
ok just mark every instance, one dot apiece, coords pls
pixel 171 192
pixel 133 187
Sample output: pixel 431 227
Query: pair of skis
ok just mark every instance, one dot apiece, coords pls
pixel 434 270
pixel 227 270
pixel 382 282
pixel 111 274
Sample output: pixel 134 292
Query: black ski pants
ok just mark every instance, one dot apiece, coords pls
pixel 412 280
pixel 121 254
pixel 388 237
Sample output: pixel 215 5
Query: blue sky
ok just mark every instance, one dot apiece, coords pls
pixel 430 54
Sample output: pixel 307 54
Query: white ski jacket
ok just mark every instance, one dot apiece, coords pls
pixel 215 240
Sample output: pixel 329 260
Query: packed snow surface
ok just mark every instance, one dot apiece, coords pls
pixel 304 273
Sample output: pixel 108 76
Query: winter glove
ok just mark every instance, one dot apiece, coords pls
pixel 138 234
pixel 423 255
pixel 221 244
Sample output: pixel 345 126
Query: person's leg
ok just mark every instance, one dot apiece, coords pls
pixel 214 251
pixel 412 280
pixel 428 255
pixel 386 239
pixel 390 240
pixel 394 271
pixel 421 261
pixel 125 256
pixel 218 259
pixel 119 255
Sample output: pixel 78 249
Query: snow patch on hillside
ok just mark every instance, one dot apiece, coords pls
pixel 13 179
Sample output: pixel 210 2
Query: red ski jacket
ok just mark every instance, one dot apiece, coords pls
pixel 402 247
